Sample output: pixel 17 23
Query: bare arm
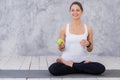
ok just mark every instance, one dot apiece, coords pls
pixel 62 36
pixel 90 39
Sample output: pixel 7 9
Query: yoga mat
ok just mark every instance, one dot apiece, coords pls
pixel 46 74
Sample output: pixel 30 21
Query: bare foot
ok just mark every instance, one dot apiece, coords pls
pixel 68 63
pixel 87 61
pixel 59 60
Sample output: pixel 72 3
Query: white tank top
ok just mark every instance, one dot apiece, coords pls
pixel 73 50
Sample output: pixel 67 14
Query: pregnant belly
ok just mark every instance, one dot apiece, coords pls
pixel 75 50
pixel 75 58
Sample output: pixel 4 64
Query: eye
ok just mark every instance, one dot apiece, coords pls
pixel 72 10
pixel 77 10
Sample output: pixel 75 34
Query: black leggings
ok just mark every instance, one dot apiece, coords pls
pixel 89 68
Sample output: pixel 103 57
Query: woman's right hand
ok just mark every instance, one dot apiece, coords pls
pixel 61 46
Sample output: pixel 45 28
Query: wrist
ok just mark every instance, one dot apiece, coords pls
pixel 61 47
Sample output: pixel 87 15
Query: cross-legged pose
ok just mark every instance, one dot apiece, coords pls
pixel 77 40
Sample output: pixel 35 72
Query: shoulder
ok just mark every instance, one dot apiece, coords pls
pixel 89 27
pixel 63 28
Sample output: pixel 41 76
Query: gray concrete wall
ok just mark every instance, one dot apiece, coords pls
pixel 31 27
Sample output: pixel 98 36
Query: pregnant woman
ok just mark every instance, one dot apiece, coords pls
pixel 77 40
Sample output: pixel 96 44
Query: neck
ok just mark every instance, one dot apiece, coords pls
pixel 76 22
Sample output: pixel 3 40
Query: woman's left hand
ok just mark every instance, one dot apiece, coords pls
pixel 84 42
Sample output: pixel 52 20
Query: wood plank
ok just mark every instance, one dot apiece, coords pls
pixel 14 63
pixel 108 61
pixel 20 79
pixel 43 63
pixel 108 78
pixel 56 79
pixel 12 78
pixel 45 79
pixel 39 79
pixel 79 79
pixel 35 63
pixel 33 79
pixel 7 78
pixel 3 61
pixel 51 60
pixel 26 64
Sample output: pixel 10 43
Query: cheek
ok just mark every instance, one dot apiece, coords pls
pixel 71 13
pixel 79 13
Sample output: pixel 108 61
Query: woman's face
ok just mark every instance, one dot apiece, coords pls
pixel 75 11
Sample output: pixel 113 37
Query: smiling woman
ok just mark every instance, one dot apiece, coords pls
pixel 77 40
pixel 76 10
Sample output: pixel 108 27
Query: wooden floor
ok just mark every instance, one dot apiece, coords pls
pixel 43 62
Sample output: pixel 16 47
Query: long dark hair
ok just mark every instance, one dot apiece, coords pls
pixel 76 3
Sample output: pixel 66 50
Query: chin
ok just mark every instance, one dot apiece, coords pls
pixel 76 18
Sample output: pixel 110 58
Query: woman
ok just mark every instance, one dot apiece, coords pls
pixel 78 39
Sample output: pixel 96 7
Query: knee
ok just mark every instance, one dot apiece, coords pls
pixel 101 69
pixel 53 69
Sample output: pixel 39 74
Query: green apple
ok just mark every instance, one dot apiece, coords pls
pixel 59 41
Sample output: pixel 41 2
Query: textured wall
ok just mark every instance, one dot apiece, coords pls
pixel 31 27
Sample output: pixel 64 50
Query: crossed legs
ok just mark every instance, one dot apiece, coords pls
pixel 62 67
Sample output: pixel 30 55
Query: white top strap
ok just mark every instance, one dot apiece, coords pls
pixel 86 29
pixel 67 29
